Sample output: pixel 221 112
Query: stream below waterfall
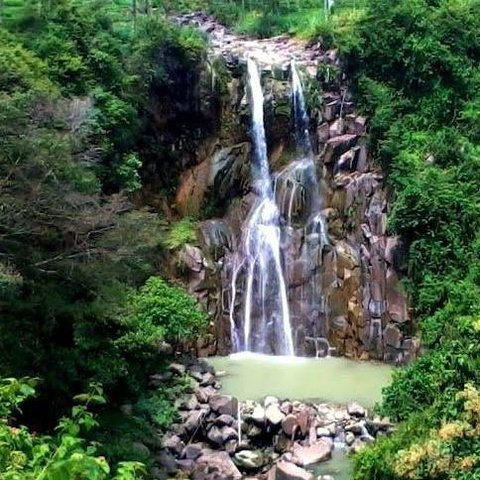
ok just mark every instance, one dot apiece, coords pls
pixel 335 380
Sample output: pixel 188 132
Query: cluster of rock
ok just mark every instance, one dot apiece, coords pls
pixel 363 311
pixel 220 438
pixel 272 54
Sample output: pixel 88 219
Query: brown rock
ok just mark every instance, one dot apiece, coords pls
pixel 316 453
pixel 392 336
pixel 289 471
pixel 290 424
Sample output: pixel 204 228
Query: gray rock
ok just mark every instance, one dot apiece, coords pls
pixel 228 433
pixel 323 432
pixel 355 410
pixel 223 420
pixel 204 393
pixel 186 465
pixel 249 459
pixel 392 336
pixel 174 444
pixel 270 400
pixel 193 420
pixel 167 461
pixel 197 376
pixel 222 463
pixel 177 368
pixel 189 403
pixel 157 379
pixel 192 451
pixel 355 428
pixel 214 434
pixel 224 404
pixel 258 414
pixel 207 379
pixel 349 438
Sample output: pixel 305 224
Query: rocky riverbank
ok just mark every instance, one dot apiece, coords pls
pixel 275 439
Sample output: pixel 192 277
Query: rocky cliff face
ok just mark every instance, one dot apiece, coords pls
pixel 363 312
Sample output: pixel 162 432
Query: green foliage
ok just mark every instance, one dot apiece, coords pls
pixel 77 80
pixel 65 455
pixel 160 312
pixel 410 63
pixel 180 233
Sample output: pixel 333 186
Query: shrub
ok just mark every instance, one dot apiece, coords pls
pixel 65 455
pixel 159 311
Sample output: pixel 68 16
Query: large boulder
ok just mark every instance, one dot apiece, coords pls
pixel 250 459
pixel 310 455
pixel 224 404
pixel 290 471
pixel 221 463
pixel 290 424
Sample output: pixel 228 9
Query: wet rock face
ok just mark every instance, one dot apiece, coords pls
pixel 345 295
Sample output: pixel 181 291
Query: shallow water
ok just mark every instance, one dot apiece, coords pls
pixel 340 466
pixel 337 380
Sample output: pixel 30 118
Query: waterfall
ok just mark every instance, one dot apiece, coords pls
pixel 270 270
pixel 265 320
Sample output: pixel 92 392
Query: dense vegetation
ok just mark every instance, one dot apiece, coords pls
pixel 80 296
pixel 82 303
pixel 416 69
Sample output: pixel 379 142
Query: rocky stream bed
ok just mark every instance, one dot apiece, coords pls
pixel 221 438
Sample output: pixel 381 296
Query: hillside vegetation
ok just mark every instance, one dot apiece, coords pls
pixel 83 305
pixel 75 83
pixel 415 67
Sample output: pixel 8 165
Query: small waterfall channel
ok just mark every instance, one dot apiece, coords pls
pixel 268 260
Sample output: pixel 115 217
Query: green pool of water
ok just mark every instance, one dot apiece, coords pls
pixel 337 380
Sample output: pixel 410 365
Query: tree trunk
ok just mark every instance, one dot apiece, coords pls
pixel 134 13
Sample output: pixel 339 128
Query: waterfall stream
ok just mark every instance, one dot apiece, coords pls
pixel 260 318
pixel 266 318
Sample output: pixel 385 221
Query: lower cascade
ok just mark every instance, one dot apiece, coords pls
pixel 260 319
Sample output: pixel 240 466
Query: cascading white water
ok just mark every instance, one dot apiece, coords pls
pixel 265 324
pixel 261 273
